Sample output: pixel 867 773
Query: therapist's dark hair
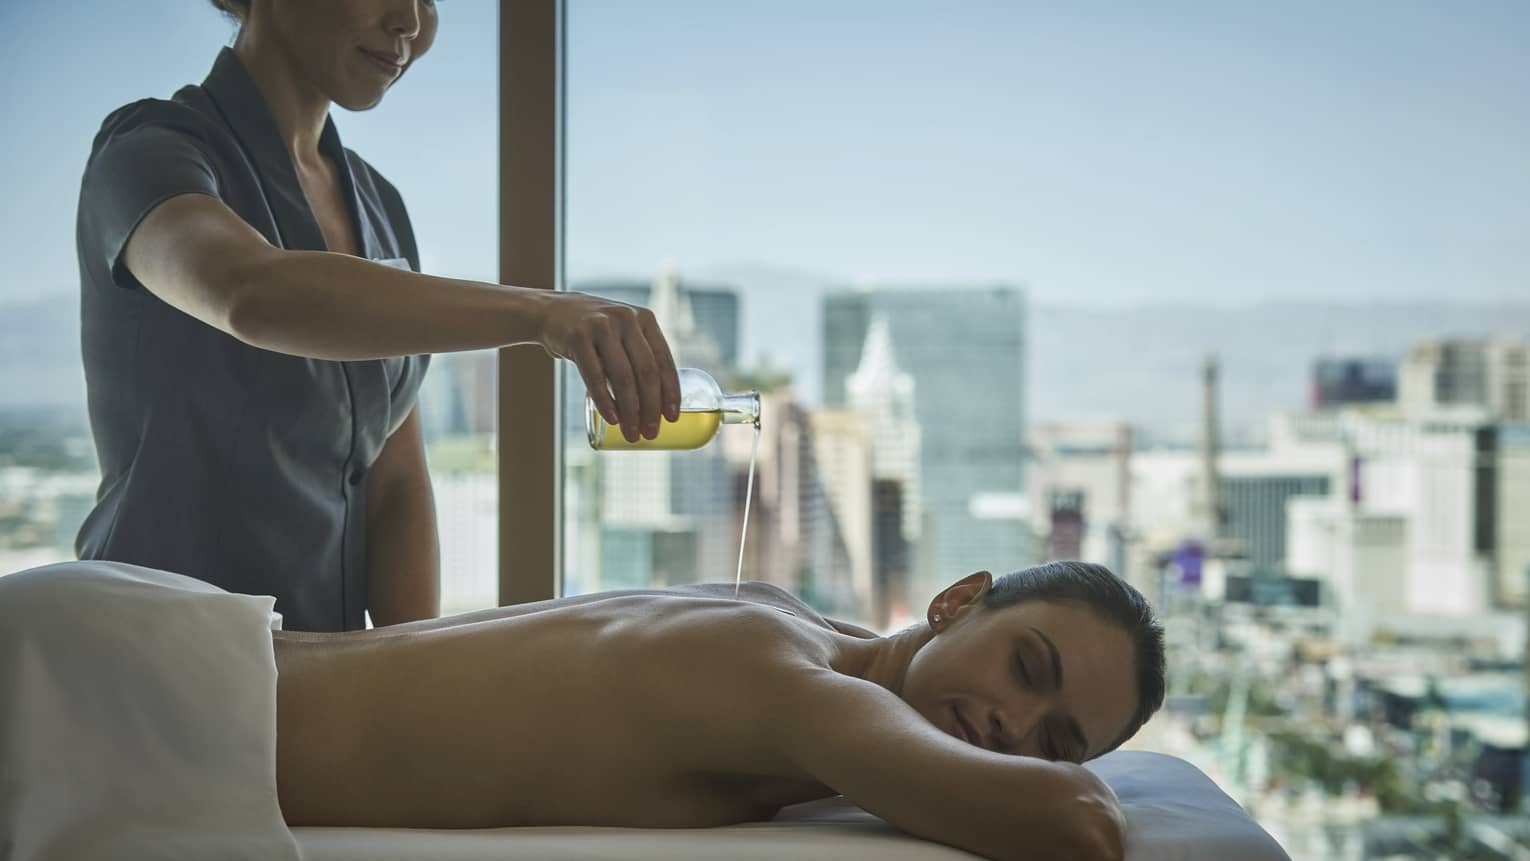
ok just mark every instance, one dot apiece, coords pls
pixel 1095 587
pixel 235 9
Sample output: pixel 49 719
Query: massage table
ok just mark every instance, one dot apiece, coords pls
pixel 138 720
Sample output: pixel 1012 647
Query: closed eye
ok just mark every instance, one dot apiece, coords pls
pixel 1025 676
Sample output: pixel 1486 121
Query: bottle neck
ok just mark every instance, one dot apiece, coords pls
pixel 741 409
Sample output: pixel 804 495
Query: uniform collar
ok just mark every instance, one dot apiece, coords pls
pixel 244 109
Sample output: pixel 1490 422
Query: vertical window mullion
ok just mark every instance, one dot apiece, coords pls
pixel 530 254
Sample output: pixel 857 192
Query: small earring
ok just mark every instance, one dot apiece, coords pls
pixel 937 617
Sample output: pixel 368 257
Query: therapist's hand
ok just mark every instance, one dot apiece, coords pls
pixel 622 356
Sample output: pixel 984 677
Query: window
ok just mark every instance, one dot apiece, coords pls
pixel 726 211
pixel 48 470
pixel 976 261
pixel 434 137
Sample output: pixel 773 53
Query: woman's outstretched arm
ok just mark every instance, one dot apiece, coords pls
pixel 195 253
pixel 863 741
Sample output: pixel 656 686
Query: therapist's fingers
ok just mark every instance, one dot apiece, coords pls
pixel 587 360
pixel 619 349
pixel 646 372
pixel 669 378
pixel 618 368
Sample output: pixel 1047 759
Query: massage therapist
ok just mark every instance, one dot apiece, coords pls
pixel 255 327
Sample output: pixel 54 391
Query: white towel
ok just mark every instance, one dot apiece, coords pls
pixel 137 718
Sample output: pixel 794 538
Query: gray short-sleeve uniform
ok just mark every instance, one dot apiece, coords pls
pixel 240 466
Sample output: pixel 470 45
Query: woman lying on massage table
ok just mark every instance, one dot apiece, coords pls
pixel 686 708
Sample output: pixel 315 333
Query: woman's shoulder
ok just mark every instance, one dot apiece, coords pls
pixel 687 618
pixel 185 115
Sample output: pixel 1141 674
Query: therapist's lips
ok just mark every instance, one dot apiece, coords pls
pixel 388 63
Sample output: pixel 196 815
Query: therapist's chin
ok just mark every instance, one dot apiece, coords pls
pixel 360 96
pixel 354 101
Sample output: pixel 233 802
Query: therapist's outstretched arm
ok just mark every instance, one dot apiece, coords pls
pixel 403 547
pixel 196 254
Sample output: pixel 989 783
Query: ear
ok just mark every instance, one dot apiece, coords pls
pixel 956 598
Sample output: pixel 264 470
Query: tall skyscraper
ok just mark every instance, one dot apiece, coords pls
pixel 965 350
pixel 716 312
pixel 882 394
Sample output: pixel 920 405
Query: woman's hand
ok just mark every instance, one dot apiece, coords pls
pixel 622 356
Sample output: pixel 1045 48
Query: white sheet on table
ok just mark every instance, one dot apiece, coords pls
pixel 137 718
pixel 1175 813
pixel 139 715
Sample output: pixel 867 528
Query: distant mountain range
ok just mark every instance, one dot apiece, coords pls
pixel 1140 364
pixel 1145 363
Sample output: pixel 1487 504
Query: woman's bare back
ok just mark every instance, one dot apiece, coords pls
pixel 564 712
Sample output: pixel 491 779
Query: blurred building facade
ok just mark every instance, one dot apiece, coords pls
pixel 1491 373
pixel 965 351
pixel 1078 487
pixel 1338 382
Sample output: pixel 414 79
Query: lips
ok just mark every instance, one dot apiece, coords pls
pixel 386 62
pixel 969 734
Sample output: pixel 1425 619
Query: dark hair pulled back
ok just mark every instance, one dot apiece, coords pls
pixel 235 9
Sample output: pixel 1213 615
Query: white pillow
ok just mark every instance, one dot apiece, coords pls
pixel 1174 812
pixel 137 718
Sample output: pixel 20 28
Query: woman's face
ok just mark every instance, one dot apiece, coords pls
pixel 1043 679
pixel 350 50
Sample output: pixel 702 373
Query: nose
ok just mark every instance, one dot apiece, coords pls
pixel 403 19
pixel 1015 723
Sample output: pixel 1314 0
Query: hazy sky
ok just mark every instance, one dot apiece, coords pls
pixel 1098 152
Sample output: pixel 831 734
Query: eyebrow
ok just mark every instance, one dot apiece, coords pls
pixel 1057 674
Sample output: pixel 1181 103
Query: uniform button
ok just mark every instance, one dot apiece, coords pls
pixel 356 475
